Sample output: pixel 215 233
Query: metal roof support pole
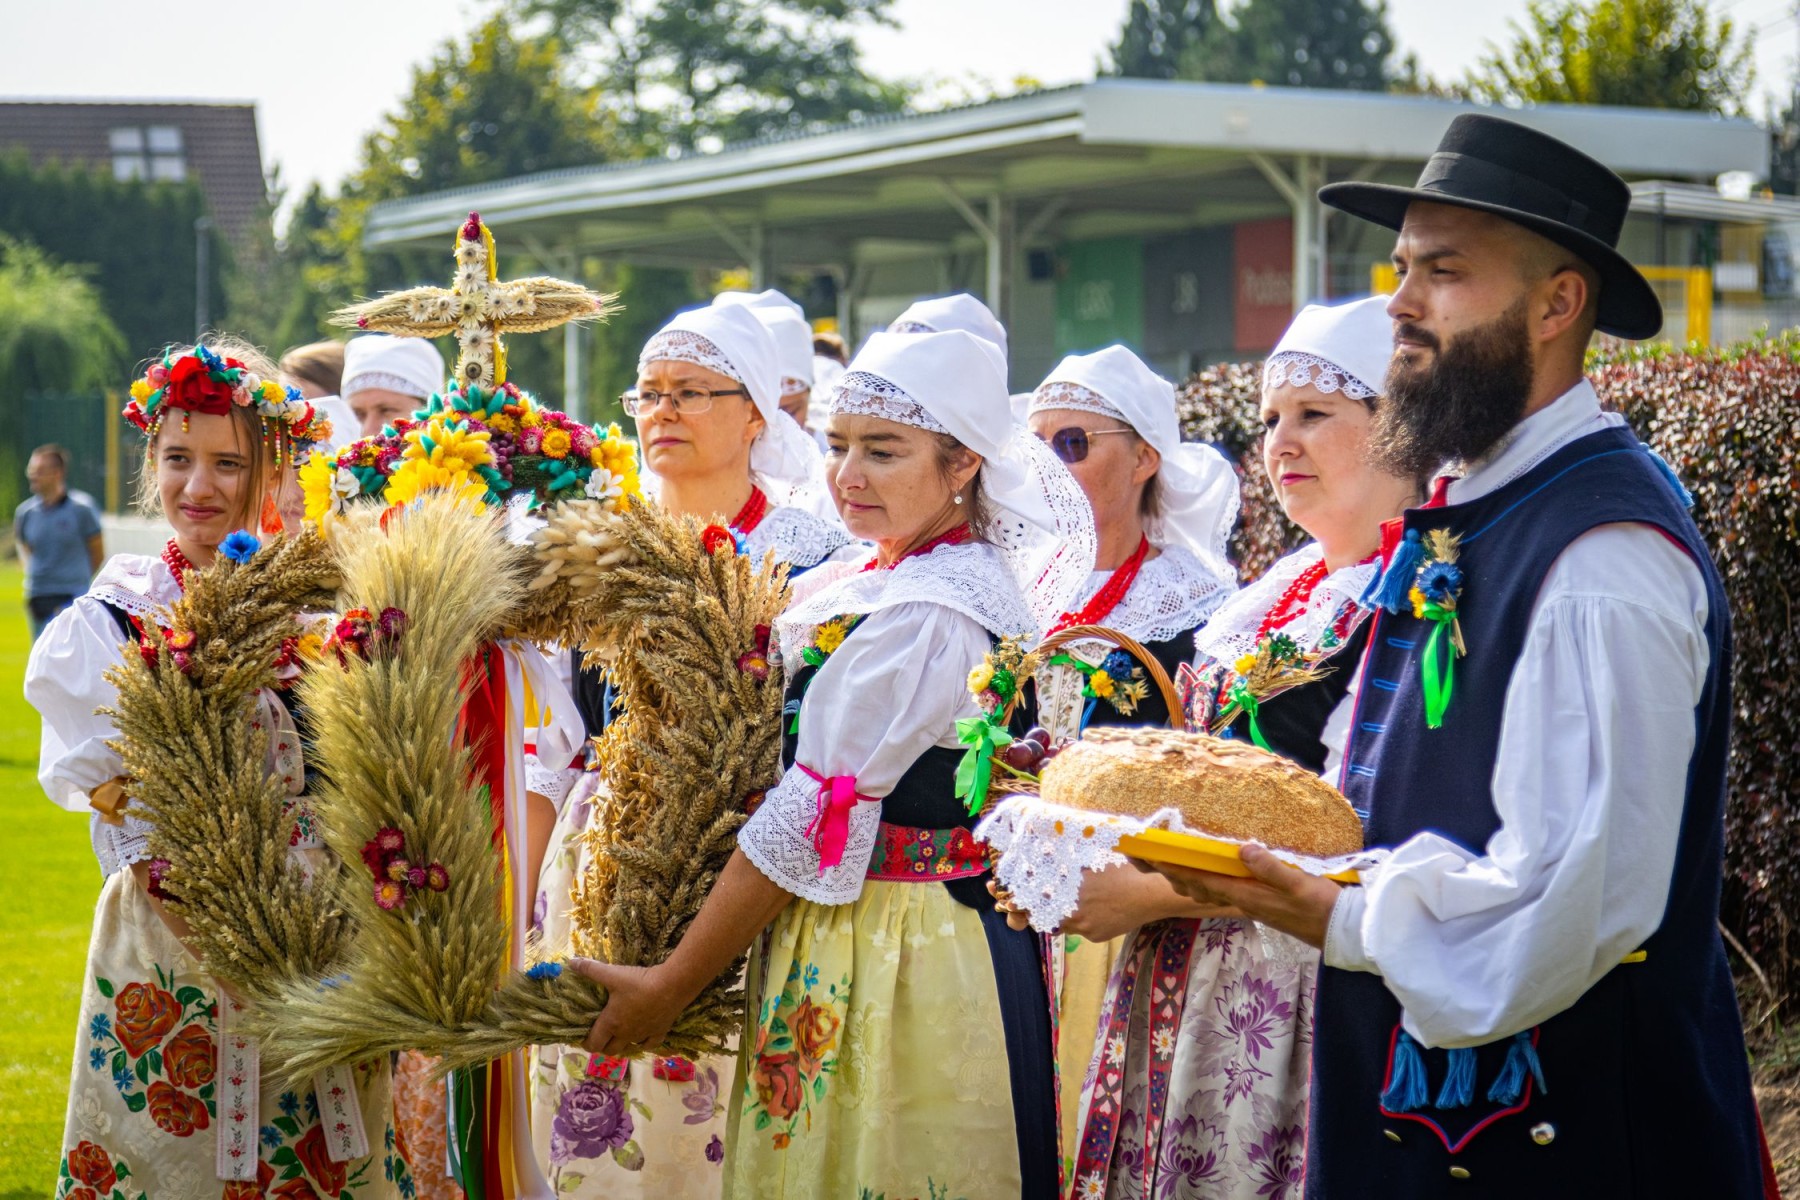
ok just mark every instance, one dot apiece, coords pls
pixel 1309 244
pixel 992 229
pixel 750 247
pixel 567 264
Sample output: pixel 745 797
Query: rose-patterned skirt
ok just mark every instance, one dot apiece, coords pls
pixel 606 1128
pixel 1197 1085
pixel 877 1063
pixel 143 1117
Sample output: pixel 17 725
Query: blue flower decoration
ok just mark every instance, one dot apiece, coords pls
pixel 544 970
pixel 101 1027
pixel 97 1059
pixel 239 546
pixel 1119 665
pixel 1440 581
pixel 812 976
pixel 312 1106
pixel 271 1137
pixel 211 361
pixel 407 1187
pixel 289 1103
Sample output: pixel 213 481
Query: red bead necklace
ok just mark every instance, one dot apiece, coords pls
pixel 950 537
pixel 177 563
pixel 1110 595
pixel 1297 598
pixel 753 512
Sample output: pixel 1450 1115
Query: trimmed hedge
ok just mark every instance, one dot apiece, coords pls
pixel 1728 420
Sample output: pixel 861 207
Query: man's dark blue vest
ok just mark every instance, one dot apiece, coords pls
pixel 1644 1088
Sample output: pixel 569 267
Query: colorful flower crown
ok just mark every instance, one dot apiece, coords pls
pixel 489 446
pixel 204 382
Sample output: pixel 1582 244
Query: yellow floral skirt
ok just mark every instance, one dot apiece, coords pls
pixel 875 1062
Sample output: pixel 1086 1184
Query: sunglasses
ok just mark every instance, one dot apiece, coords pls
pixel 1071 444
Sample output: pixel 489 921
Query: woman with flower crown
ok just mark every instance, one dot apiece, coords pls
pixel 716 446
pixel 150 1111
pixel 897 1038
pixel 1200 1089
pixel 1163 510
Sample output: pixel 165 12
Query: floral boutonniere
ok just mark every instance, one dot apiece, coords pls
pixel 1276 664
pixel 1436 589
pixel 1118 680
pixel 994 683
pixel 826 639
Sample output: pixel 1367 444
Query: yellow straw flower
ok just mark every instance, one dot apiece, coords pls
pixel 1245 664
pixel 980 677
pixel 1101 684
pixel 316 476
pixel 141 390
pixel 452 448
pixel 1418 602
pixel 503 423
pixel 556 443
pixel 830 636
pixel 416 476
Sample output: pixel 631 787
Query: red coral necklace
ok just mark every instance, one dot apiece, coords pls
pixel 950 537
pixel 1110 595
pixel 753 512
pixel 178 563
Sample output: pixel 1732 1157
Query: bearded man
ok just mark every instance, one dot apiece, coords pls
pixel 1529 997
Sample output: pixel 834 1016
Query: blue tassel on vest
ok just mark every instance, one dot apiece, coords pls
pixel 1459 1083
pixel 1521 1060
pixel 1406 1088
pixel 1389 588
pixel 1668 473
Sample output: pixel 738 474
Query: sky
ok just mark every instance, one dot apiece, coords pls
pixel 323 73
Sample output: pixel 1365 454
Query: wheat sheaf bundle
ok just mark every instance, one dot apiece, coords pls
pixel 684 631
pixel 384 726
pixel 196 762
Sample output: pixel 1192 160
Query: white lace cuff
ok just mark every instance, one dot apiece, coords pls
pixel 549 782
pixel 776 840
pixel 119 846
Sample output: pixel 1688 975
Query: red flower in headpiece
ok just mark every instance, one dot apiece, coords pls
pixel 192 387
pixel 471 230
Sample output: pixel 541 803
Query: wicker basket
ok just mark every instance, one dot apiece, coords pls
pixel 1002 782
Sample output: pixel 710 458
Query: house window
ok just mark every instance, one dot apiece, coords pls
pixel 153 152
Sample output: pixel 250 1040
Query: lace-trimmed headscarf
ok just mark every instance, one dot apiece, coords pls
pixel 1335 348
pixel 1199 487
pixel 955 383
pixel 786 323
pixel 731 340
pixel 941 314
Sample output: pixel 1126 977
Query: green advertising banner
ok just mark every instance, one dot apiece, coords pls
pixel 1100 294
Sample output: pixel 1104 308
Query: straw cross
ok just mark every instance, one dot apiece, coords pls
pixel 478 307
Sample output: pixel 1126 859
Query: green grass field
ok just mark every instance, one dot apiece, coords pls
pixel 46 910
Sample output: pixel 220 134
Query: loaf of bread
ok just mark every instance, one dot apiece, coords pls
pixel 1228 789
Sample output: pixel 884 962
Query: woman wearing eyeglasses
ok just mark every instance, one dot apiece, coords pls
pixel 1198 1080
pixel 1163 510
pixel 716 446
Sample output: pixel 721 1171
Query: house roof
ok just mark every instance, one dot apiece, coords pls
pixel 219 143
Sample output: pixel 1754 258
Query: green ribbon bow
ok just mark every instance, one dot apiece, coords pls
pixel 1439 678
pixel 982 737
pixel 1245 699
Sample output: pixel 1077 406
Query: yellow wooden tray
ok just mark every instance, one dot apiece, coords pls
pixel 1197 851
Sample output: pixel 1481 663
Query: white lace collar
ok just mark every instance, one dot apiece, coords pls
pixel 1172 594
pixel 141 584
pixel 796 537
pixel 1232 631
pixel 970 578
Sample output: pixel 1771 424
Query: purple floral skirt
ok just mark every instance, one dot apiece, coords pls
pixel 1197 1086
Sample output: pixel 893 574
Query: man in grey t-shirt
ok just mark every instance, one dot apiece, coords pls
pixel 58 532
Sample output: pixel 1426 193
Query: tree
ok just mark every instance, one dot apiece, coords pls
pixel 687 74
pixel 1157 33
pixel 1641 53
pixel 1296 43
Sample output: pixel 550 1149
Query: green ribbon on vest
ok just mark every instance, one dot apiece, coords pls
pixel 982 737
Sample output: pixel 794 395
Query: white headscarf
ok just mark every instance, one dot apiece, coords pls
pixel 1199 487
pixel 408 365
pixel 786 323
pixel 940 314
pixel 729 339
pixel 955 383
pixel 1335 347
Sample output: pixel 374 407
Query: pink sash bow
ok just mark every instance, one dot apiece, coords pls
pixel 830 828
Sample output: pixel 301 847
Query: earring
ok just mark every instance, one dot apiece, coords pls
pixel 957 497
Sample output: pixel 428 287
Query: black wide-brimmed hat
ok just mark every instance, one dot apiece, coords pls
pixel 1501 167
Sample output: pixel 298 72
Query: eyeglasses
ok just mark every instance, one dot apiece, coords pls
pixel 687 401
pixel 1071 444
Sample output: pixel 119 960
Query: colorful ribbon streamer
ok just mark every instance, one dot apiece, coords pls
pixel 830 827
pixel 982 737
